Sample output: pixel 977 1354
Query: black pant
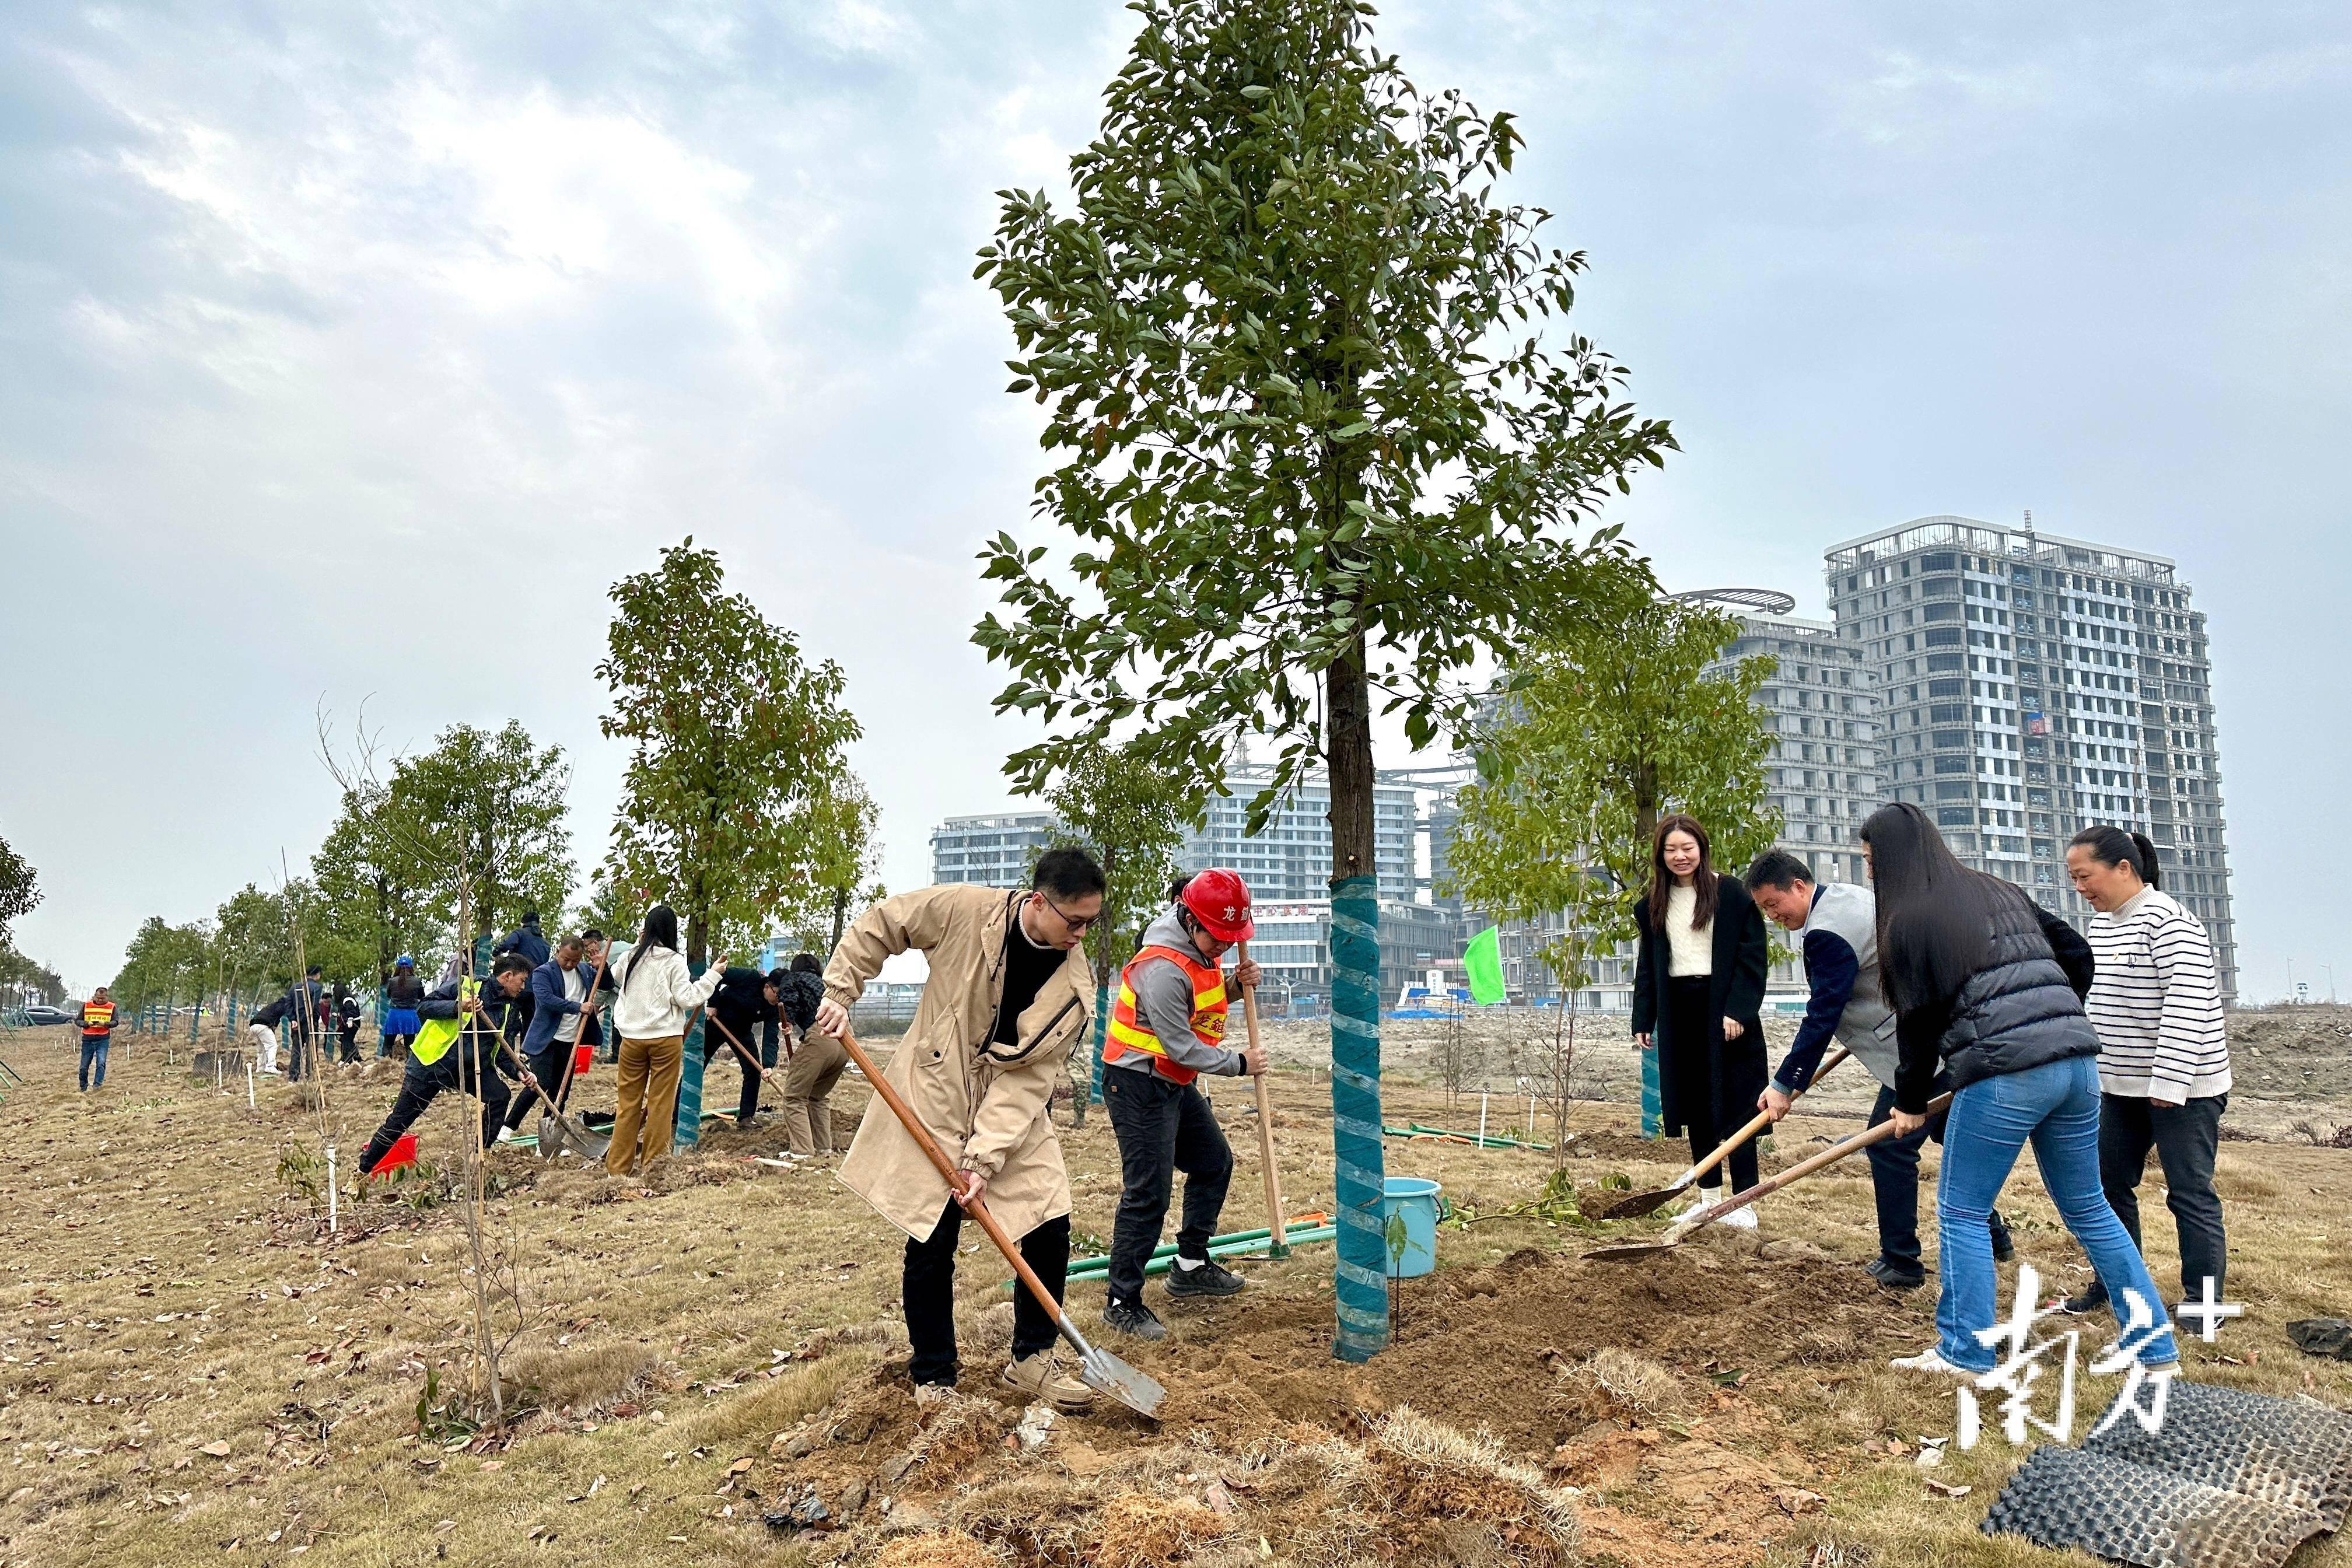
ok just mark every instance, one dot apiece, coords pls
pixel 350 1052
pixel 928 1288
pixel 298 1056
pixel 1895 1183
pixel 547 1065
pixel 1691 1018
pixel 714 1049
pixel 2185 1139
pixel 1162 1127
pixel 461 1069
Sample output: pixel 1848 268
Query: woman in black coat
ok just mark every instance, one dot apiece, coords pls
pixel 1698 988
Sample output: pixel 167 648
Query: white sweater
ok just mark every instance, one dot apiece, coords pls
pixel 659 993
pixel 1690 950
pixel 2157 1004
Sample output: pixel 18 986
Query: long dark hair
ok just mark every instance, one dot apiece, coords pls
pixel 2113 846
pixel 1934 915
pixel 660 930
pixel 1662 881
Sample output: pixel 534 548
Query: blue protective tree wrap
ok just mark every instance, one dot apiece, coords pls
pixel 1361 1282
pixel 1653 1112
pixel 689 1132
pixel 1102 1032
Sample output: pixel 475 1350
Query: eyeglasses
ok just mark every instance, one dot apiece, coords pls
pixel 1076 922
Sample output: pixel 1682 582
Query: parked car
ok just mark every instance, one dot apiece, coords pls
pixel 42 1012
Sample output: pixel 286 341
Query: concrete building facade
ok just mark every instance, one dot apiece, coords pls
pixel 2030 686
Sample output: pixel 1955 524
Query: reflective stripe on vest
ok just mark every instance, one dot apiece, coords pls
pixel 435 1036
pixel 1129 1032
pixel 97 1018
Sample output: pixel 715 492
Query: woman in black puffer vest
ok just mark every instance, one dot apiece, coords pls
pixel 1988 986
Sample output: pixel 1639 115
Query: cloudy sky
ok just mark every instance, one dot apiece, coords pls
pixel 310 314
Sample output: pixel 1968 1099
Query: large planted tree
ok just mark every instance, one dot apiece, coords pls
pixel 1312 450
pixel 477 826
pixel 372 893
pixel 1601 730
pixel 737 808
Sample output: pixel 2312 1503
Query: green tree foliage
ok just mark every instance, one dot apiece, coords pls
pixel 23 979
pixel 1130 813
pixel 1311 440
pixel 737 807
pixel 1603 728
pixel 165 964
pixel 374 890
pixel 479 822
pixel 19 890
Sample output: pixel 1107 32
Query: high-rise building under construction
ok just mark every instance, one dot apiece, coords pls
pixel 2029 686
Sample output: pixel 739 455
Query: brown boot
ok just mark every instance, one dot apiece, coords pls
pixel 1038 1377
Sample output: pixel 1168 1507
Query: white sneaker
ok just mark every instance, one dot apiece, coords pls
pixel 510 1134
pixel 267 1072
pixel 1740 1219
pixel 1929 1360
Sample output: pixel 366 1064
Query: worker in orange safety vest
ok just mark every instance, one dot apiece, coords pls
pixel 97 1033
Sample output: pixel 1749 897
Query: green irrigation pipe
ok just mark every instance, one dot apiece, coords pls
pixel 1492 1139
pixel 1168 1248
pixel 1097 1267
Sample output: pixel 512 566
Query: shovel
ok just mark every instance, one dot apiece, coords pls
pixel 568 1134
pixel 1098 1369
pixel 1680 1231
pixel 1634 1203
pixel 1281 1241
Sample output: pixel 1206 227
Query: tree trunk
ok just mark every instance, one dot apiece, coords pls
pixel 840 916
pixel 1360 1284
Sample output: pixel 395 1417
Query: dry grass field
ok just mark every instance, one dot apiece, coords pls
pixel 195 1367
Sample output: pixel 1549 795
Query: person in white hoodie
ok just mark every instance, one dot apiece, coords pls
pixel 657 993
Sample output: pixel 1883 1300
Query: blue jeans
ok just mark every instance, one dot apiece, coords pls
pixel 2057 1106
pixel 93 1060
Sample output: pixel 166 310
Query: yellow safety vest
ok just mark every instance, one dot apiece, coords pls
pixel 1129 1032
pixel 435 1036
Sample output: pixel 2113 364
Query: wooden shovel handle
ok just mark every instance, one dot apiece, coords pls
pixel 978 1207
pixel 1803 1168
pixel 1264 1120
pixel 1760 1122
pixel 767 1073
pixel 573 1060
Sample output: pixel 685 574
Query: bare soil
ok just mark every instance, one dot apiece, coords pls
pixel 193 1364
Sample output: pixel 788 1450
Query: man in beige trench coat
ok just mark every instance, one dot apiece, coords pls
pixel 1008 995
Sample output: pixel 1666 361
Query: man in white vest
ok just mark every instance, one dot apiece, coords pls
pixel 1838 922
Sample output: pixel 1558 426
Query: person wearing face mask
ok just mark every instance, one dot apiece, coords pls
pixel 1698 993
pixel 2163 1055
pixel 1169 1028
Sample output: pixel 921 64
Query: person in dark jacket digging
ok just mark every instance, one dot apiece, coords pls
pixel 1698 992
pixel 1166 1028
pixel 745 1004
pixel 1837 923
pixel 311 1015
pixel 812 1068
pixel 1988 986
pixel 466 1040
pixel 560 1008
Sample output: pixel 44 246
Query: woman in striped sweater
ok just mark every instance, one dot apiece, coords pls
pixel 2164 1059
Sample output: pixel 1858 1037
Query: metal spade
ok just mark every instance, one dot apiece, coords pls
pixel 1098 1369
pixel 1634 1203
pixel 1682 1229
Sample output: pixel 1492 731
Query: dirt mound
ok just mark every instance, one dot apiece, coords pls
pixel 1504 1388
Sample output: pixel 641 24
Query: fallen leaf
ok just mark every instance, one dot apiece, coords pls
pixel 217 1451
pixel 1940 1489
pixel 741 1465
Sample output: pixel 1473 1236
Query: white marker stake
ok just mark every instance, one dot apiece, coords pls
pixel 1531 1119
pixel 1482 1122
pixel 249 1105
pixel 332 1224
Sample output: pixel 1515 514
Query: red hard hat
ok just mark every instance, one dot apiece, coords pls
pixel 1220 900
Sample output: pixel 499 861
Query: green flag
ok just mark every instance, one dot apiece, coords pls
pixel 1483 961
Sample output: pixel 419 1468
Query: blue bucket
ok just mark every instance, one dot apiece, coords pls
pixel 1414 1199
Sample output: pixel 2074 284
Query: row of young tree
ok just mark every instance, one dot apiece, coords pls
pixel 22 979
pixel 737 808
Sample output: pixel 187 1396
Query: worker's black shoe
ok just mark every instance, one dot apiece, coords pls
pixel 2003 1249
pixel 1211 1279
pixel 1891 1278
pixel 1134 1319
pixel 2093 1297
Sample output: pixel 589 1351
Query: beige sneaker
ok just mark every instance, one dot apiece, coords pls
pixel 930 1398
pixel 1038 1377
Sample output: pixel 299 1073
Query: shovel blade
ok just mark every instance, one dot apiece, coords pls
pixel 1633 1205
pixel 1106 1373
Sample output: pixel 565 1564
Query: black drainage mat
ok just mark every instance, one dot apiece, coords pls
pixel 2234 1480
